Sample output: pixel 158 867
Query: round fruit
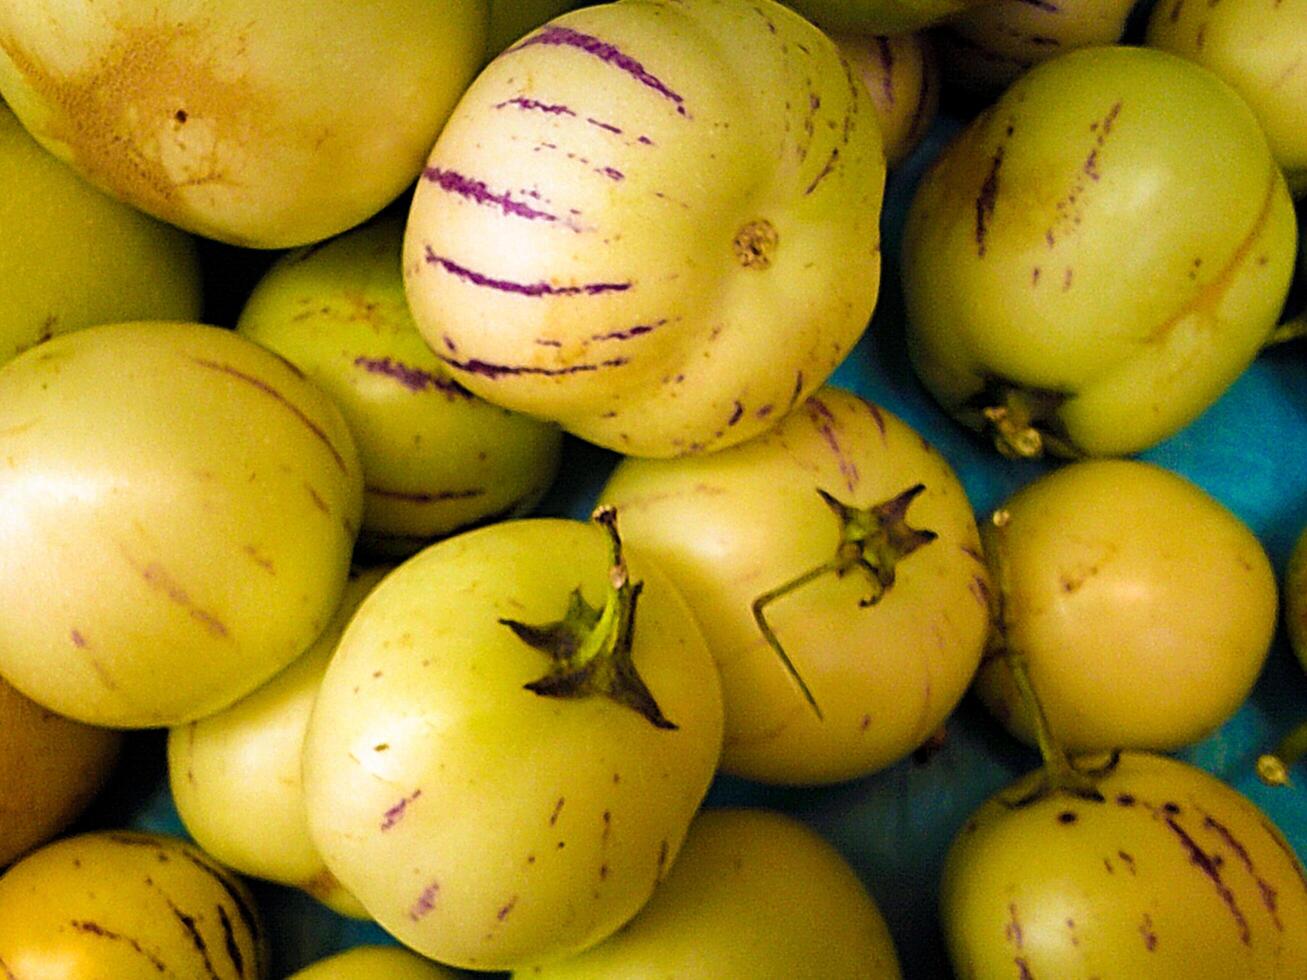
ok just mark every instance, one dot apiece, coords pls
pixel 1108 573
pixel 177 511
pixel 886 640
pixel 70 257
pixel 752 894
pixel 1161 871
pixel 129 906
pixel 1260 48
pixel 259 124
pixel 50 768
pixel 655 223
pixel 435 458
pixel 235 775
pixel 507 749
pixel 1085 269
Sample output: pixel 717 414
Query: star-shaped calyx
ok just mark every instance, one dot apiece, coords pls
pixel 590 648
pixel 872 539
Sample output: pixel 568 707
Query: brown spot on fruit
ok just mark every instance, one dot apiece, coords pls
pixel 116 111
pixel 755 243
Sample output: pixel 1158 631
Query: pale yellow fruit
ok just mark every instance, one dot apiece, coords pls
pixel 374 963
pixel 1166 873
pixel 656 224
pixel 984 48
pixel 50 768
pixel 177 510
pixel 1108 573
pixel 901 74
pixel 435 457
pixel 118 905
pixel 235 775
pixel 71 257
pixel 1260 48
pixel 753 894
pixel 260 124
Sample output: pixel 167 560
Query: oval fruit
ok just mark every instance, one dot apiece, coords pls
pixel 1106 573
pixel 492 804
pixel 753 893
pixel 177 512
pixel 1085 270
pixel 566 257
pixel 130 906
pixel 264 125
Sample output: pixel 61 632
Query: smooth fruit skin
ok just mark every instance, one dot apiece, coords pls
pixel 1173 874
pixel 263 125
pixel 732 525
pixel 901 74
pixel 1083 236
pixel 754 893
pixel 177 511
pixel 236 775
pixel 435 457
pixel 71 257
pixel 483 825
pixel 127 906
pixel 1260 48
pixel 374 963
pixel 877 16
pixel 985 48
pixel 50 769
pixel 655 223
pixel 1144 608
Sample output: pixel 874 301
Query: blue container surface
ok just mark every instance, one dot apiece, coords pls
pixel 1249 450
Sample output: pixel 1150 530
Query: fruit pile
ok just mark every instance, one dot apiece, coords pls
pixel 708 488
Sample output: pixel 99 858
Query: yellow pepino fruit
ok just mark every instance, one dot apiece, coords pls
pixel 1086 270
pixel 1161 870
pixel 753 893
pixel 177 510
pixel 654 223
pixel 127 906
pixel 265 125
pixel 235 775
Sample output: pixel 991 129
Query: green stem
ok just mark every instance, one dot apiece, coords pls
pixel 759 604
pixel 1273 768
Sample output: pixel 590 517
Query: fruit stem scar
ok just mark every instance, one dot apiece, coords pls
pixel 755 244
pixel 1273 767
pixel 874 539
pixel 1023 422
pixel 590 649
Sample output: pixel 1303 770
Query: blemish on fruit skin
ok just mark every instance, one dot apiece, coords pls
pixel 425 497
pixel 396 813
pixel 412 378
pixel 506 909
pixel 825 423
pixel 1125 799
pixel 1270 897
pixel 533 289
pixel 521 102
pixel 425 903
pixel 1146 930
pixel 1204 862
pixel 639 330
pixel 558 808
pixel 495 371
pixel 1067 817
pixel 1023 969
pixel 1128 859
pixel 560 36
pixel 78 639
pixel 87 927
pixel 661 866
pixel 986 199
pixel 1012 931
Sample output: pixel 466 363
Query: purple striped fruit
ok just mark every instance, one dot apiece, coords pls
pixel 654 223
pixel 1162 870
